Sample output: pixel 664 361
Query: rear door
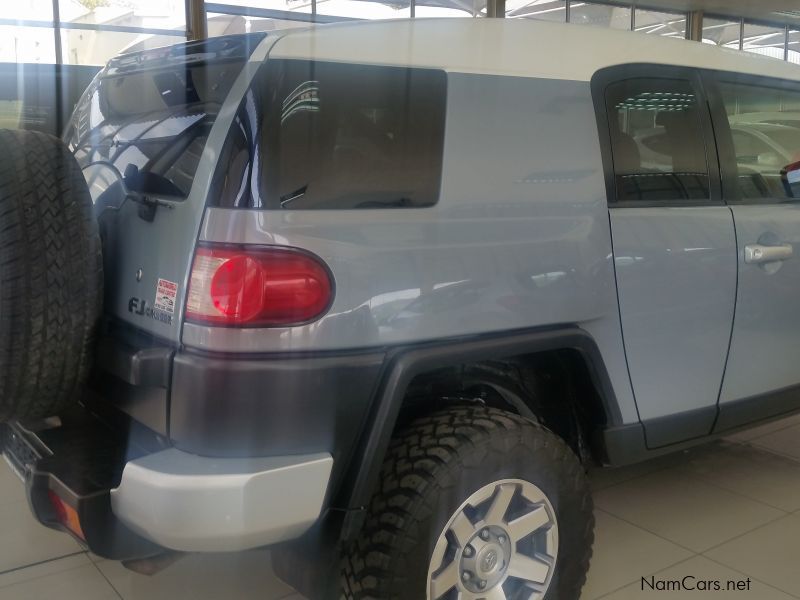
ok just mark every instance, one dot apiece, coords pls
pixel 673 241
pixel 153 123
pixel 763 375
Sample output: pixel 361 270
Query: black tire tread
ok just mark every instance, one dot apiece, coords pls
pixel 50 276
pixel 428 453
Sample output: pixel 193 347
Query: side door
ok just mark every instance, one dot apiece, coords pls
pixel 673 241
pixel 763 374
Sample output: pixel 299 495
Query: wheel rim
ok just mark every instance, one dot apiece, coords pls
pixel 502 543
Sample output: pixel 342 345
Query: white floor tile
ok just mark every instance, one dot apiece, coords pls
pixel 623 553
pixel 692 577
pixel 12 490
pixel 232 576
pixel 750 471
pixel 684 510
pixel 82 583
pixel 23 541
pixel 769 554
pixel 44 569
pixel 784 441
pixel 761 430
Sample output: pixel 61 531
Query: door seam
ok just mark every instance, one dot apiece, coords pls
pixel 733 321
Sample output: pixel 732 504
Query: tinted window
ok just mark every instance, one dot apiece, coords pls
pixel 315 135
pixel 656 139
pixel 765 128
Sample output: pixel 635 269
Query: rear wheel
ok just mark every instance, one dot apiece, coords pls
pixel 475 503
pixel 50 276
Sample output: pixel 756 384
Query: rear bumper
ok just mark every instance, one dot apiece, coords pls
pixel 134 497
pixel 191 503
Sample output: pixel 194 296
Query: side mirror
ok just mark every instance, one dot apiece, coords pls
pixel 790 175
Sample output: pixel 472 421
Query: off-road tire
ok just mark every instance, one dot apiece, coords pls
pixel 51 276
pixel 432 467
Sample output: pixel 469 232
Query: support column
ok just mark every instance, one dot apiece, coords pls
pixel 694 31
pixel 196 26
pixel 496 9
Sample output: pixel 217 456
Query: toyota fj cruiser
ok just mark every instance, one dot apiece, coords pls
pixel 377 294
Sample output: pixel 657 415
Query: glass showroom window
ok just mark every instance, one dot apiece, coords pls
pixel 794 46
pixel 27 44
pixel 362 9
pixel 601 15
pixel 28 10
pixel 722 32
pixel 224 24
pixel 287 6
pixel 450 8
pixel 87 47
pixel 660 23
pixel 22 44
pixel 542 10
pixel 93 31
pixel 764 39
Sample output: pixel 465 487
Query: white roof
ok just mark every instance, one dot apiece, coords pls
pixel 519 47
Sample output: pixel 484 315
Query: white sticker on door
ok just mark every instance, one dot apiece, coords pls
pixel 166 296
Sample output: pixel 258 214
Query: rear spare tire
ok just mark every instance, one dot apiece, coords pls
pixel 50 276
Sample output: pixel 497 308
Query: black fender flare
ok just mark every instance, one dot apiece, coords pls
pixel 403 364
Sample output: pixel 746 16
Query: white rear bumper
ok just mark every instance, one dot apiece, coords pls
pixel 193 503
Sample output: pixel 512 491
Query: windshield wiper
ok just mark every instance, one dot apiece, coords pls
pixel 147 204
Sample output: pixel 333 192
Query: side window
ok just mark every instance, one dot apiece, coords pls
pixel 317 135
pixel 657 142
pixel 765 129
pixel 353 136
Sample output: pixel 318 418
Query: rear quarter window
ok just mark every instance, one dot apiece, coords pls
pixel 320 135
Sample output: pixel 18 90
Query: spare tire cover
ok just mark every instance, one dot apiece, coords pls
pixel 51 276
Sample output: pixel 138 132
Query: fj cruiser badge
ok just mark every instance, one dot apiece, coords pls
pixel 140 307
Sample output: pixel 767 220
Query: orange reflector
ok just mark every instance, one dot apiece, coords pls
pixel 66 515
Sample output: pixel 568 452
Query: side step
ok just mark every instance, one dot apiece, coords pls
pixel 69 466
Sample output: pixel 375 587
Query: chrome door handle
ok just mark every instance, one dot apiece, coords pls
pixel 756 253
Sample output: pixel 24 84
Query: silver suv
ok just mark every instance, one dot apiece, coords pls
pixel 378 294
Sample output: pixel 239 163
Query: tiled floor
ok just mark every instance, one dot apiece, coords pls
pixel 726 511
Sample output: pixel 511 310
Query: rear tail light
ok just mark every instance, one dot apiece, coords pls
pixel 266 287
pixel 65 514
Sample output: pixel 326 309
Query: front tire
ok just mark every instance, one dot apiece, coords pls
pixel 474 503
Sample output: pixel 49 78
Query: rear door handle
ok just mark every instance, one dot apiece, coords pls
pixel 756 253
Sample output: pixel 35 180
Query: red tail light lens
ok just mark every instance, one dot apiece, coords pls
pixel 266 287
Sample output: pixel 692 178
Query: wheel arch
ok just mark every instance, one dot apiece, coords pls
pixel 406 364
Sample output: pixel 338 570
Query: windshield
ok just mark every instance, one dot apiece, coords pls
pixel 149 115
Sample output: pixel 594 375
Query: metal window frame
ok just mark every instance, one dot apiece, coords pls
pixel 637 7
pixel 778 26
pixel 743 22
pixel 634 7
pixel 269 13
pixel 628 5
